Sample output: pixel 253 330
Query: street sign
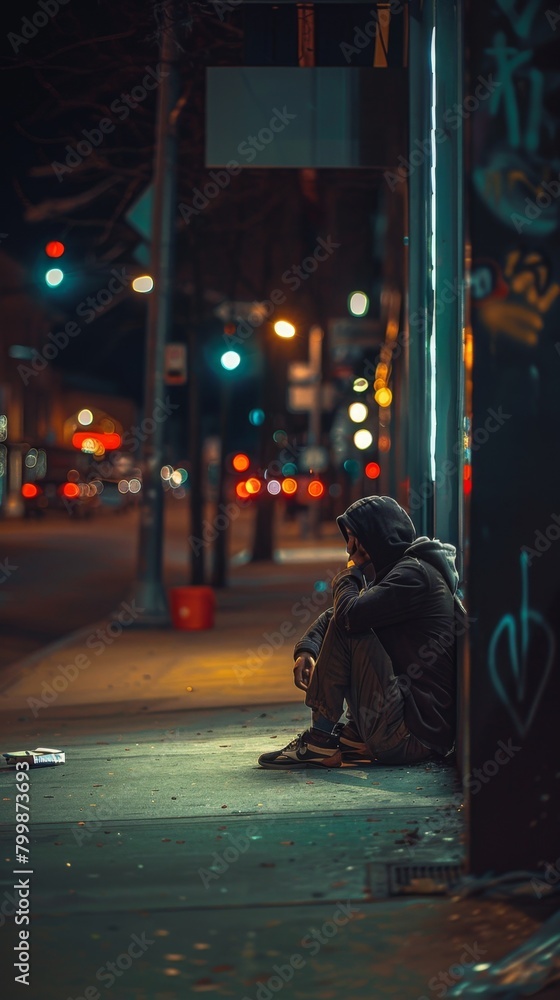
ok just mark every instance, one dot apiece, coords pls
pixel 139 214
pixel 175 364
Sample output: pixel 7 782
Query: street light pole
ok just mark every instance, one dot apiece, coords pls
pixel 149 590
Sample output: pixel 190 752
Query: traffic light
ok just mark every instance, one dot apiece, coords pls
pixel 230 360
pixel 372 470
pixel 54 275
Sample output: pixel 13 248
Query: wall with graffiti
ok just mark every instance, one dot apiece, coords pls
pixel 514 588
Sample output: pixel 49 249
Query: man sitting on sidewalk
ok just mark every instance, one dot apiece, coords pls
pixel 386 647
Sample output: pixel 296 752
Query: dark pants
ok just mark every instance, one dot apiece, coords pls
pixel 356 669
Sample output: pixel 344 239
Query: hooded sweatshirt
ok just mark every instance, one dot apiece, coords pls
pixel 412 606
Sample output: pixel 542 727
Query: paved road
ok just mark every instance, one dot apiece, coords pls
pixel 73 572
pixel 66 574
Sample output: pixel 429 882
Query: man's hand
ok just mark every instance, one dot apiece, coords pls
pixel 304 668
pixel 360 556
pixel 356 552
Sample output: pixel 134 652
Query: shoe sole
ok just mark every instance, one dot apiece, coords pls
pixel 334 761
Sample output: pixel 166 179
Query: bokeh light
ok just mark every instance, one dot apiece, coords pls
pixel 372 470
pixel 54 249
pixel 240 462
pixel 253 485
pixel 384 396
pixel 360 384
pixel 289 469
pixel 71 490
pixel 289 486
pixel 315 488
pixel 143 283
pixel 357 412
pixel 85 418
pixel 358 303
pixel 230 360
pixel 256 417
pixel 284 329
pixel 384 443
pixel 54 276
pixel 363 439
pixel 351 466
pixel 273 487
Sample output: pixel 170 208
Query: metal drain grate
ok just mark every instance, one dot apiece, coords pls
pixel 424 880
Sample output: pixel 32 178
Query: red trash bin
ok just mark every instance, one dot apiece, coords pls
pixel 192 607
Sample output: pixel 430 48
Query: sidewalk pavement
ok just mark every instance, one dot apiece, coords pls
pixel 115 667
pixel 162 729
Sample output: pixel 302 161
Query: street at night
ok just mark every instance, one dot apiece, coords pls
pixel 279 420
pixel 71 553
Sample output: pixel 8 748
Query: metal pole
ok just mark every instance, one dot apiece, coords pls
pixel 149 591
pixel 419 284
pixel 220 563
pixel 195 428
pixel 449 276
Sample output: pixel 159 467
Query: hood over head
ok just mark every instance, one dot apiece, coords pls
pixel 383 528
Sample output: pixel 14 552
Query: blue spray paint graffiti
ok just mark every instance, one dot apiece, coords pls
pixel 521 715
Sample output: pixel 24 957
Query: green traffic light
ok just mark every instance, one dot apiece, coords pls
pixel 230 360
pixel 54 276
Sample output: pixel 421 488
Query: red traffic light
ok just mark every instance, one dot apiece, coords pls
pixel 372 470
pixel 54 249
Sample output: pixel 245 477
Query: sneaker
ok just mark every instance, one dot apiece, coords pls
pixel 303 752
pixel 353 749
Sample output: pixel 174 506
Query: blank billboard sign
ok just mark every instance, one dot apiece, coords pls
pixel 305 117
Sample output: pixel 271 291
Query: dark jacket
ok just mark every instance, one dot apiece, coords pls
pixel 411 605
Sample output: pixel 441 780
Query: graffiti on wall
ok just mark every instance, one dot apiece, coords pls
pixel 508 658
pixel 518 164
pixel 513 298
